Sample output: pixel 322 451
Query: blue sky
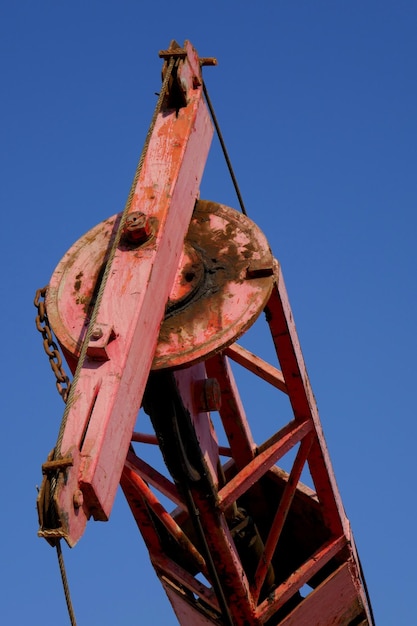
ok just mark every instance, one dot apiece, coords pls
pixel 317 102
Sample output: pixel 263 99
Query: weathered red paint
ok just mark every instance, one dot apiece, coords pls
pixel 286 439
pixel 171 526
pixel 284 334
pixel 299 536
pixel 154 478
pixel 221 545
pixel 109 393
pixel 211 302
pixel 249 466
pixel 254 364
pixel 336 601
pixel 280 516
pixel 300 577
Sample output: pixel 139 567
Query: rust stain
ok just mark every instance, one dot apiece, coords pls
pixel 219 291
pixel 77 284
pixel 227 244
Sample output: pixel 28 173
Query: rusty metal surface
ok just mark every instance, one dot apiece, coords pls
pixel 226 301
pixel 222 284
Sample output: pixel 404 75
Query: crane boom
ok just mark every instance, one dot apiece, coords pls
pixel 148 307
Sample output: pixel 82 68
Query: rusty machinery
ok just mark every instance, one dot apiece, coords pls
pixel 147 308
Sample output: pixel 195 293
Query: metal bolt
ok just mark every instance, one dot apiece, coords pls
pixel 96 334
pixel 78 499
pixel 137 228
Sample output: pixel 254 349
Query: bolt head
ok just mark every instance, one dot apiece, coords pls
pixel 137 228
pixel 78 499
pixel 96 334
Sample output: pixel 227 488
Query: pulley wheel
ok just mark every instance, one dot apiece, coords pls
pixel 223 282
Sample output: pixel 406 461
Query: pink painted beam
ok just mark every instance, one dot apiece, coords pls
pixel 109 393
pixel 192 382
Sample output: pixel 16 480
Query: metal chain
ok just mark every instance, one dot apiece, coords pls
pixel 51 348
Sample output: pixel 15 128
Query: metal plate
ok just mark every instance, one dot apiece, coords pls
pixel 223 283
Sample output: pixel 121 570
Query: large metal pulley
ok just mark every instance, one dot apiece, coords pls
pixel 223 282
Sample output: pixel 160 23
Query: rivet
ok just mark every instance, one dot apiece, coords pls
pixel 96 334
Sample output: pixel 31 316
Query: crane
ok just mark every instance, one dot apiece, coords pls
pixel 147 309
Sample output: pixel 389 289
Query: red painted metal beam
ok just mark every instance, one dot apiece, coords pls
pixel 284 334
pixel 336 601
pixel 286 439
pixel 154 478
pixel 136 488
pixel 257 366
pixel 300 577
pixel 280 516
pixel 109 392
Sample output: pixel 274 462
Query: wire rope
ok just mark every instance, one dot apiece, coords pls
pixel 65 584
pixel 224 149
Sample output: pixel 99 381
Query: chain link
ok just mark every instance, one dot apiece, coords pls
pixel 63 383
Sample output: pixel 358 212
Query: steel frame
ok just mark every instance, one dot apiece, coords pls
pixel 332 565
pixel 304 535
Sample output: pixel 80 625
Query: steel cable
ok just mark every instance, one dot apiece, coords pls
pixel 65 584
pixel 224 149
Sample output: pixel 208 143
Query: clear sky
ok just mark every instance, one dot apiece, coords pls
pixel 317 101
